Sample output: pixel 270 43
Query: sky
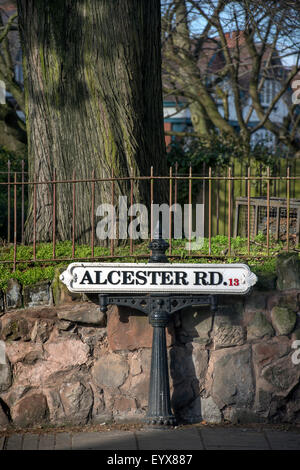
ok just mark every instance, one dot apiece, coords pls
pixel 198 23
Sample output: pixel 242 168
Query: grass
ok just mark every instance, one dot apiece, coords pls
pixel 29 273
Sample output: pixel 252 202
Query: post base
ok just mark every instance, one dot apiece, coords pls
pixel 161 422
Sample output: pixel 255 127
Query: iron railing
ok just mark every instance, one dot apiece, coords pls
pixel 218 189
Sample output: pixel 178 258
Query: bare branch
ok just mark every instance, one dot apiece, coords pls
pixel 216 66
pixel 8 27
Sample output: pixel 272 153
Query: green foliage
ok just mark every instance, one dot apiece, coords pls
pixel 213 152
pixel 31 273
pixel 218 151
pixel 27 277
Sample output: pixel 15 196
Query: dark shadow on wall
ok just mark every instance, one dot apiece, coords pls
pixel 189 362
pixel 188 336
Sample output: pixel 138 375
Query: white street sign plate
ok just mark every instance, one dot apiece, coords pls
pixel 160 278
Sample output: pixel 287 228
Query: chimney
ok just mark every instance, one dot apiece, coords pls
pixel 233 36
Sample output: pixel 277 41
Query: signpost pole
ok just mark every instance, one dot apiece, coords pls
pixel 159 403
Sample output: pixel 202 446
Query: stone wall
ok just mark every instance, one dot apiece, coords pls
pixel 64 362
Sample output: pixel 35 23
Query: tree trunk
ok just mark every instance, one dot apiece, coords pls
pixel 201 123
pixel 93 101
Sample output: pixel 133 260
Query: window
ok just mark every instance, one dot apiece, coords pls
pixel 268 92
pixel 18 68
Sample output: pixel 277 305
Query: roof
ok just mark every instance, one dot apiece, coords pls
pixel 8 6
pixel 210 59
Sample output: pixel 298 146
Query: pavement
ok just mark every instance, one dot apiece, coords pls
pixel 185 438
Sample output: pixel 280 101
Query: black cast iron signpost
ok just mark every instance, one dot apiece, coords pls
pixel 158 289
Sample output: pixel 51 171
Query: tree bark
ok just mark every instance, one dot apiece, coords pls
pixel 201 123
pixel 93 102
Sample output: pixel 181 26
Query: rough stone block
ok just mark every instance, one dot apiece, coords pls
pixel 92 336
pixel 138 387
pixel 14 394
pixel 60 357
pixel 5 377
pixel 288 271
pixel 56 412
pixel 14 329
pixel 268 351
pixel 41 330
pixel 36 295
pixel 30 411
pixel 225 336
pixel 124 404
pixel 128 331
pixel 13 294
pixel 67 352
pixel 282 375
pixel 137 384
pixel 134 363
pixel 86 313
pixel 259 327
pixel 5 369
pixel 210 411
pixel 19 351
pixel 232 380
pixel 196 324
pixel 283 320
pixel 111 370
pixel 77 401
pixel 64 325
pixel 263 398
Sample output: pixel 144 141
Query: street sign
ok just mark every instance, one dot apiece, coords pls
pixel 169 288
pixel 154 278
